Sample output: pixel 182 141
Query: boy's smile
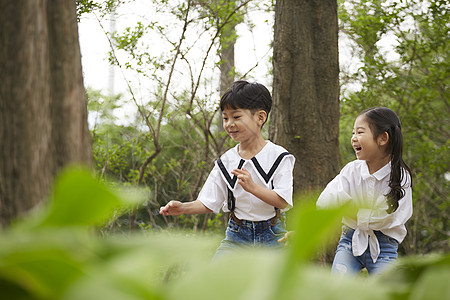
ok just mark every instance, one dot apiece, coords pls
pixel 241 124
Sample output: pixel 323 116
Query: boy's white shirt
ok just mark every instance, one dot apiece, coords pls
pixel 355 183
pixel 214 193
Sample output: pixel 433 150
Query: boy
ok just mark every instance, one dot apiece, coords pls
pixel 252 181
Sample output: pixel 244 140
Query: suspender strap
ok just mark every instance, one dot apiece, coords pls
pixel 231 200
pixel 235 219
pixel 272 170
pixel 231 181
pixel 274 220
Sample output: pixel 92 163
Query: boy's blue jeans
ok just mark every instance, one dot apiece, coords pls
pixel 346 263
pixel 251 234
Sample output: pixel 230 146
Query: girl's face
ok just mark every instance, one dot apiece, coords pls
pixel 241 124
pixel 366 146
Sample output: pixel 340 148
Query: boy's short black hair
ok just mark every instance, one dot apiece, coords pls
pixel 245 95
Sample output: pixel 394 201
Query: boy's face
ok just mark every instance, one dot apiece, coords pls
pixel 241 124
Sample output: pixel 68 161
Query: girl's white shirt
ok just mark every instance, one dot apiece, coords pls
pixel 214 193
pixel 367 191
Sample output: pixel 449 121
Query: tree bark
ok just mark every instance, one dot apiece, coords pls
pixel 227 67
pixel 70 135
pixel 227 58
pixel 305 115
pixel 42 101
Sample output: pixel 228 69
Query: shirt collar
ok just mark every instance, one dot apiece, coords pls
pixel 379 175
pixel 266 146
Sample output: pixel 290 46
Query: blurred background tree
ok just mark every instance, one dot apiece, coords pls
pixel 43 114
pixel 305 115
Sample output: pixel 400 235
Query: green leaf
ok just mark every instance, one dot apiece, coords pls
pixel 313 227
pixel 433 285
pixel 78 199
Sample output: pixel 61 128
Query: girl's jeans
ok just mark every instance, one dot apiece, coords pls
pixel 251 234
pixel 345 263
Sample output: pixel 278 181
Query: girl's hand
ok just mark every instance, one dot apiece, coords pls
pixel 173 208
pixel 244 179
pixel 285 239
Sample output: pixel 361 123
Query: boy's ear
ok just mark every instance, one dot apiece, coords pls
pixel 383 139
pixel 262 116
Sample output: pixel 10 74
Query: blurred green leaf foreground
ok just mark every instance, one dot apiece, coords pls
pixel 57 253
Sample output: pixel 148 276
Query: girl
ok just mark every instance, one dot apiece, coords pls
pixel 379 184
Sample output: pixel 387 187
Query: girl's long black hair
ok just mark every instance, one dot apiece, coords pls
pixel 383 119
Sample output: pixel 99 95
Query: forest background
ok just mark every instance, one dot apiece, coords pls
pixel 410 75
pixel 168 145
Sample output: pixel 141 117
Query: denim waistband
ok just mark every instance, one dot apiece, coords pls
pixel 272 221
pixel 254 224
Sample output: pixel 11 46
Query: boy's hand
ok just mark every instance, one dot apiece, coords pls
pixel 244 179
pixel 173 208
pixel 285 239
pixel 264 194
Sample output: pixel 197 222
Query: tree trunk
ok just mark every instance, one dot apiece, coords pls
pixel 305 116
pixel 42 101
pixel 227 68
pixel 227 58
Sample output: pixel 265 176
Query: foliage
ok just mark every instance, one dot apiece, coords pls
pixel 104 7
pixel 412 78
pixel 176 173
pixel 55 255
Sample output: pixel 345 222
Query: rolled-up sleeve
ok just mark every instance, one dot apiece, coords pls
pixel 336 193
pixel 283 180
pixel 214 192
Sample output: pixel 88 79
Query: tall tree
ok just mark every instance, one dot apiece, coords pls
pixel 305 117
pixel 42 100
pixel 227 43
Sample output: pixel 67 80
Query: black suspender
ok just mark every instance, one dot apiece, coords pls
pixel 272 170
pixel 231 181
pixel 231 200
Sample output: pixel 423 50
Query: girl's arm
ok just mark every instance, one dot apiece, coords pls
pixel 379 219
pixel 175 208
pixel 335 194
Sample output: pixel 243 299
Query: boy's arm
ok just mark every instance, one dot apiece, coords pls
pixel 210 198
pixel 268 196
pixel 175 208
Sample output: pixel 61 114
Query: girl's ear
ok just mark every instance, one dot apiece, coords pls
pixel 383 139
